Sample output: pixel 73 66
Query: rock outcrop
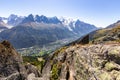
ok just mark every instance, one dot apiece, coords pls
pixel 11 64
pixel 11 67
pixel 84 62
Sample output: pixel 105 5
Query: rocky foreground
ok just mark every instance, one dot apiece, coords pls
pixel 78 62
pixel 84 62
pixel 11 64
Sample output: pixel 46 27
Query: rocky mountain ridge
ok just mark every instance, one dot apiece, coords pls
pixel 106 35
pixel 15 20
pixel 41 30
pixel 114 24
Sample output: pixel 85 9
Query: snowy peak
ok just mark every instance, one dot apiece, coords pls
pixel 3 26
pixel 14 20
pixel 54 20
pixel 12 17
pixel 41 19
pixel 29 18
pixel 76 26
pixel 68 21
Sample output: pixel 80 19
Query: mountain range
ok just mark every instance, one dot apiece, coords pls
pixel 95 56
pixel 33 30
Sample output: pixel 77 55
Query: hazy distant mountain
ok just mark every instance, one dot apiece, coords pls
pixel 29 18
pixel 31 34
pixel 40 30
pixel 41 19
pixel 78 26
pixel 75 26
pixel 3 26
pixel 14 20
pixel 114 24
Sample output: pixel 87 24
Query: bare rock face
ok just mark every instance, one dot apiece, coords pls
pixel 11 67
pixel 11 64
pixel 84 62
pixel 32 69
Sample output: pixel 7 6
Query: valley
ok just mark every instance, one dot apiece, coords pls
pixel 45 49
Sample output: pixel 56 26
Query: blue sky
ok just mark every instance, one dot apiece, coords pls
pixel 98 12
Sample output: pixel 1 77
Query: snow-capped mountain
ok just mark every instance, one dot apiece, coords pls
pixel 14 20
pixel 3 26
pixel 40 30
pixel 41 19
pixel 77 26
